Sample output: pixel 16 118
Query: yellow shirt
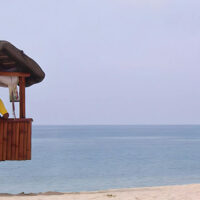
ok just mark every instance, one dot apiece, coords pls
pixel 2 108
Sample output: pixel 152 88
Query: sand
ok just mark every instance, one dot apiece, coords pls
pixel 180 192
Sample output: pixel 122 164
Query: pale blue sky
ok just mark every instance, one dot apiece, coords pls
pixel 109 61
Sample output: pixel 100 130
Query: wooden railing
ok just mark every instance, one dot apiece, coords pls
pixel 15 139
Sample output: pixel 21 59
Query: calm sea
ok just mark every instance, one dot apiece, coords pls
pixel 87 158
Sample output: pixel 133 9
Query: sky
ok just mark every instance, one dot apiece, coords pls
pixel 109 61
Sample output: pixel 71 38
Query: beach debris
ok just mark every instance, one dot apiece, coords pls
pixel 111 195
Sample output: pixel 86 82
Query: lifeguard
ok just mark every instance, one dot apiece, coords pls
pixel 3 110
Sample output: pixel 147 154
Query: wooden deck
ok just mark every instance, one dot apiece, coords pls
pixel 15 139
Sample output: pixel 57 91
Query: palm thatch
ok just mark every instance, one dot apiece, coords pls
pixel 13 59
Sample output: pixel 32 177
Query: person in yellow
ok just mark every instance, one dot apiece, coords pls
pixel 3 110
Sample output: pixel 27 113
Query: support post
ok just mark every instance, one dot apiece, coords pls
pixel 22 97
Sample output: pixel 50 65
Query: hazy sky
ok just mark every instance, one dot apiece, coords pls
pixel 109 61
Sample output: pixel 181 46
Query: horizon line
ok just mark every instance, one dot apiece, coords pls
pixel 116 124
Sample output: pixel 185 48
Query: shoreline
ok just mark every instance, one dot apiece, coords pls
pixel 175 192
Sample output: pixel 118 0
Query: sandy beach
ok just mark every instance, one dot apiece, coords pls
pixel 179 192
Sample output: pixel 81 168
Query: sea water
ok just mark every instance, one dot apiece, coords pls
pixel 88 158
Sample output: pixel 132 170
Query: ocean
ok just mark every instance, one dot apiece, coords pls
pixel 89 158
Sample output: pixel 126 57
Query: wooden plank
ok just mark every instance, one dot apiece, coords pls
pixel 19 74
pixel 22 97
pixel 17 141
pixel 19 120
pixel 29 141
pixel 9 141
pixel 13 144
pixel 25 139
pixel 5 124
pixel 21 141
pixel 1 140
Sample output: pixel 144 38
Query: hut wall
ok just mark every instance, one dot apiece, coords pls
pixel 15 139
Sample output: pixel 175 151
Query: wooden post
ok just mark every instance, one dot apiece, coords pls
pixel 22 97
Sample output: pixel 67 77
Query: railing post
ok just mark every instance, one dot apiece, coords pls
pixel 22 97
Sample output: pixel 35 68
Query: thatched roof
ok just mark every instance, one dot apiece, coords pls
pixel 13 59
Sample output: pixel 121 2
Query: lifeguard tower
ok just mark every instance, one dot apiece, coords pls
pixel 17 69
